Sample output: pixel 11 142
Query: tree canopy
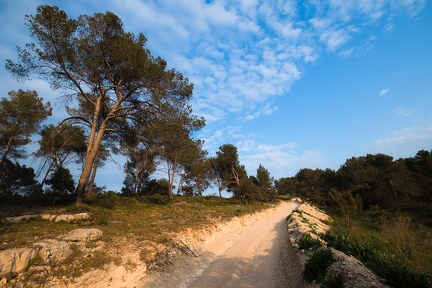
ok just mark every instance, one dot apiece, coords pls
pixel 20 117
pixel 107 73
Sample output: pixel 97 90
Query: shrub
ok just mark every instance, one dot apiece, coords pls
pixel 157 199
pixel 315 268
pixel 396 273
pixel 307 241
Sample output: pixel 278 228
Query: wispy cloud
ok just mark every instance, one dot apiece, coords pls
pixel 281 160
pixel 403 112
pixel 244 53
pixel 384 91
pixel 407 139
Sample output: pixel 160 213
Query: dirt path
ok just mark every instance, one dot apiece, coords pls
pixel 255 255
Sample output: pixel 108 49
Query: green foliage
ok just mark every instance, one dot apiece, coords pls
pixel 20 117
pixel 306 241
pixel 61 182
pixel 226 168
pixel 16 180
pixel 139 95
pixel 198 174
pixel 59 146
pixel 397 273
pixel 348 204
pixel 286 186
pixel 315 268
pixel 246 192
pixel 34 262
pixel 156 199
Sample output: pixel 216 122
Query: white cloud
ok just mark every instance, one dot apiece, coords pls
pixel 320 24
pixel 334 38
pixel 407 139
pixel 384 91
pixel 403 112
pixel 281 160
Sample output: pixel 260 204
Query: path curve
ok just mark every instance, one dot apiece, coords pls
pixel 257 255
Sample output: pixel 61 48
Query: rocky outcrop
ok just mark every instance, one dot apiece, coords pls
pixel 52 251
pixel 50 217
pixel 308 219
pixel 355 274
pixel 47 252
pixel 83 235
pixel 15 260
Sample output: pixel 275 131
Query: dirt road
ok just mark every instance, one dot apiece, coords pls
pixel 254 255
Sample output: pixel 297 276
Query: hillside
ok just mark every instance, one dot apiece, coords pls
pixel 134 231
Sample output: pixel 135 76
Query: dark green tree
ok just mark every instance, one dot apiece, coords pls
pixel 17 180
pixel 309 183
pixel 227 170
pixel 174 143
pixel 92 59
pixel 265 184
pixel 347 204
pixel 377 179
pixel 62 184
pixel 247 191
pixel 197 175
pixel 286 186
pixel 59 146
pixel 420 167
pixel 20 117
pixel 139 166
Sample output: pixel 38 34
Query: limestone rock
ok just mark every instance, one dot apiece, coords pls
pixel 52 251
pixel 19 219
pixel 83 235
pixel 50 217
pixel 16 259
pixel 356 275
pixel 72 217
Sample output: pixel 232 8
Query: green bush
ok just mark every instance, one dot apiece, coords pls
pixel 307 241
pixel 396 273
pixel 157 199
pixel 315 268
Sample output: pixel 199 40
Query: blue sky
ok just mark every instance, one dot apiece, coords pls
pixel 292 84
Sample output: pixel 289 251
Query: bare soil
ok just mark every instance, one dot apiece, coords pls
pixel 254 252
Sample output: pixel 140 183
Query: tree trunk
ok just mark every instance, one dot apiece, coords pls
pixel 92 178
pixel 46 174
pixel 95 138
pixel 7 149
pixel 171 178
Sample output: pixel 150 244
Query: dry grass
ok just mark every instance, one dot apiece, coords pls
pixel 142 225
pixel 153 218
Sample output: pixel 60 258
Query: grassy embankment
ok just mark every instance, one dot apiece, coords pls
pixel 395 245
pixel 146 221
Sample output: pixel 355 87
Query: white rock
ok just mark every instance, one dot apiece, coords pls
pixel 83 235
pixel 53 251
pixel 16 259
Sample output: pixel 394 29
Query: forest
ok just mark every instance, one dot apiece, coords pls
pixel 369 182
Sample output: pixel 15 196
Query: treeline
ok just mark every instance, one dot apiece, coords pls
pixel 367 182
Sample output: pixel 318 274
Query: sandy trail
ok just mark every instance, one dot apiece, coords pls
pixel 255 255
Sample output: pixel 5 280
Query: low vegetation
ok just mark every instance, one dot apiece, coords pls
pixel 146 218
pixel 315 268
pixel 400 255
pixel 381 210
